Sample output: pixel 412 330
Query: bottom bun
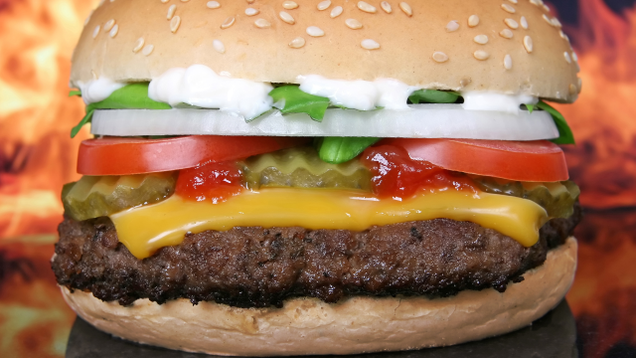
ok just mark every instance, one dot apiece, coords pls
pixel 354 325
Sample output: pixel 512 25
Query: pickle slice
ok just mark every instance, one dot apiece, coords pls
pixel 301 167
pixel 556 198
pixel 95 196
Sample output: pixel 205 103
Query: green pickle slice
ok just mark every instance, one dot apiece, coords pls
pixel 301 167
pixel 95 196
pixel 556 198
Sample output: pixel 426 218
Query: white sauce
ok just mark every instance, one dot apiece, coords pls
pixel 362 95
pixel 489 101
pixel 98 90
pixel 200 86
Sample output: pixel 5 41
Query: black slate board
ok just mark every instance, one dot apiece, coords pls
pixel 553 335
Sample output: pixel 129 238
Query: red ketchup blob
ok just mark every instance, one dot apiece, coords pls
pixel 396 175
pixel 216 182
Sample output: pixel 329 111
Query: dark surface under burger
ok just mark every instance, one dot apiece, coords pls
pixel 257 267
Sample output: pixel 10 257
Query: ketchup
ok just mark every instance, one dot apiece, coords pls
pixel 213 181
pixel 396 175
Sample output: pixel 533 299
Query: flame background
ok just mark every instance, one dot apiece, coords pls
pixel 37 157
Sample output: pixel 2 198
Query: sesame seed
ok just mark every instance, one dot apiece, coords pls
pixel 452 26
pixel 564 36
pixel 218 46
pixel 315 31
pixel 575 57
pixel 572 89
pixel 369 44
pixel 138 44
pixel 171 11
pixel 507 62
pixel 96 31
pixel 481 39
pixel 524 22
pixel 262 24
pixel 511 23
pixel 174 24
pixel 147 50
pixel 406 8
pixel 506 34
pixel 580 84
pixel 513 1
pixel 290 5
pixel 285 16
pixel 547 19
pixel 353 24
pixel 556 23
pixel 181 0
pixel 213 5
pixel 536 2
pixel 250 11
pixel 567 57
pixel 508 8
pixel 440 57
pixel 481 55
pixel 324 5
pixel 228 22
pixel 298 42
pixel 546 7
pixel 527 43
pixel 366 7
pixel 473 20
pixel 336 11
pixel 109 25
pixel 115 29
pixel 88 18
pixel 164 1
pixel 386 7
pixel 465 81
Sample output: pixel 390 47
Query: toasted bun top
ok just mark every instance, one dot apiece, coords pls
pixel 505 46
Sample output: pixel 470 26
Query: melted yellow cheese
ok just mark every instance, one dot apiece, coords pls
pixel 146 229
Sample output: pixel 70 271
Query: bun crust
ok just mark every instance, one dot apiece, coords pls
pixel 134 41
pixel 356 325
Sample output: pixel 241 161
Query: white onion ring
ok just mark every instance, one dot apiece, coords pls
pixel 421 121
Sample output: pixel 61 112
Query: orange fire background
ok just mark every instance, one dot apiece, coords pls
pixel 37 156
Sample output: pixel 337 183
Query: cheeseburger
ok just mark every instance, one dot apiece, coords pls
pixel 319 177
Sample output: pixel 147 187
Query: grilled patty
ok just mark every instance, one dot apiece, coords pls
pixel 258 267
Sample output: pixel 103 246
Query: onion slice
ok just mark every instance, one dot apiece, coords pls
pixel 419 121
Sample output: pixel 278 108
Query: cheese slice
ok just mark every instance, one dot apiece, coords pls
pixel 143 230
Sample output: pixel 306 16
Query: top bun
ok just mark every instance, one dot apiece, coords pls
pixel 504 46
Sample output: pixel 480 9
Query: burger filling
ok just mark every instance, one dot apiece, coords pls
pixel 250 221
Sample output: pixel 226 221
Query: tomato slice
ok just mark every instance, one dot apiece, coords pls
pixel 539 161
pixel 123 156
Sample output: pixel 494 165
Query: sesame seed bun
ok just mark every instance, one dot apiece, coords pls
pixel 358 324
pixel 512 47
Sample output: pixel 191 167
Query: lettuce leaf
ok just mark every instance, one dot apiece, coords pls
pixel 132 96
pixel 433 96
pixel 297 101
pixel 338 150
pixel 565 133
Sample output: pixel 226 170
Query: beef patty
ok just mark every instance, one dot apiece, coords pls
pixel 257 267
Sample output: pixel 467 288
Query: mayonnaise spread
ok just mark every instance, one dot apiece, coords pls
pixel 200 86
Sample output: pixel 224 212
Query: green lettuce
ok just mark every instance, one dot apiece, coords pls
pixel 338 150
pixel 433 96
pixel 297 101
pixel 132 96
pixel 565 133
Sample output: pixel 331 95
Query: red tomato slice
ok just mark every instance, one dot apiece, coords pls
pixel 123 156
pixel 541 161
